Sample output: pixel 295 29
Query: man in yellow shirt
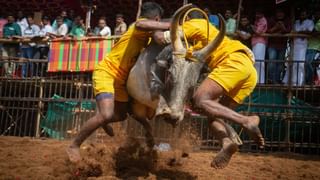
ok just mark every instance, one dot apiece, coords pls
pixel 232 77
pixel 110 75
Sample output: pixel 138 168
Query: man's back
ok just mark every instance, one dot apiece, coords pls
pixel 11 29
pixel 124 53
pixel 196 30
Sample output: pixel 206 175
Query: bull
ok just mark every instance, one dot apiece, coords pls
pixel 184 75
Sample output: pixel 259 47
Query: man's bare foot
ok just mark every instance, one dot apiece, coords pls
pixel 73 153
pixel 223 157
pixel 252 127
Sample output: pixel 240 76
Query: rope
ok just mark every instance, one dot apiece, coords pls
pixel 184 20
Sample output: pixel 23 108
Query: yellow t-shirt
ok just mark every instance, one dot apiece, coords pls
pixel 125 52
pixel 196 33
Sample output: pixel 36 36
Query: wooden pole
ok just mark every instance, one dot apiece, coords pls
pixel 139 9
pixel 40 104
pixel 88 17
pixel 239 13
pixel 290 76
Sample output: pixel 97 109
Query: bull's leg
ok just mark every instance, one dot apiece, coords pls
pixel 140 113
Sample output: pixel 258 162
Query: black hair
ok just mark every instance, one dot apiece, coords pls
pixel 104 19
pixel 30 16
pixel 59 18
pixel 229 9
pixel 259 10
pixel 244 16
pixel 151 10
pixel 45 18
pixel 279 10
pixel 78 16
pixel 119 16
pixel 207 9
pixel 303 10
pixel 10 14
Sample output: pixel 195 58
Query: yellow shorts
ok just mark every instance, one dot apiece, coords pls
pixel 105 82
pixel 237 75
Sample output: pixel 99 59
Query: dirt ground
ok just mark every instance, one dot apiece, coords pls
pixel 111 158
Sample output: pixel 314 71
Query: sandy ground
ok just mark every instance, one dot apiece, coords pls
pixel 26 158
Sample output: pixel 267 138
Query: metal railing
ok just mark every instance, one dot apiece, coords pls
pixel 38 103
pixel 56 105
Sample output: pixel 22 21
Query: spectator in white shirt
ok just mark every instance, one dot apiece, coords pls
pixel 45 27
pixel 27 49
pixel 300 44
pixel 21 21
pixel 102 29
pixel 60 30
pixel 43 47
pixel 45 30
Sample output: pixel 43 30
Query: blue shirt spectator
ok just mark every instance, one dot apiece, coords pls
pixel 213 19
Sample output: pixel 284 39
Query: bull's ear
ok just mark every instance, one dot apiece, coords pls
pixel 178 48
pixel 205 52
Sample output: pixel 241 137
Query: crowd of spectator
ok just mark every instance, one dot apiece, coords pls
pixel 66 25
pixel 257 35
pixel 274 70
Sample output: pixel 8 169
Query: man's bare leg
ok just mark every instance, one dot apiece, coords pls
pixel 120 114
pixel 206 98
pixel 106 109
pixel 228 146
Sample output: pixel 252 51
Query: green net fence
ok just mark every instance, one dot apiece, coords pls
pixel 63 116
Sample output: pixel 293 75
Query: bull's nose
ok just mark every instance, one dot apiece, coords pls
pixel 177 116
pixel 163 111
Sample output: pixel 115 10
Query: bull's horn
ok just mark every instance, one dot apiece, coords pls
pixel 178 47
pixel 205 52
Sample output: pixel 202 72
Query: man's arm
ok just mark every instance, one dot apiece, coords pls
pixel 272 26
pixel 5 32
pixel 150 25
pixel 243 36
pixel 64 30
pixel 18 30
pixel 303 28
pixel 285 27
pixel 105 31
pixel 123 28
